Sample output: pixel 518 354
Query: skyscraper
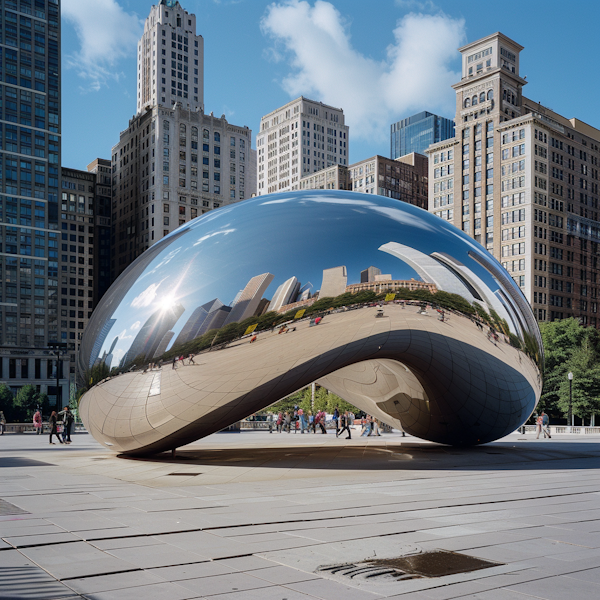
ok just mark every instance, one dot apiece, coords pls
pixel 29 188
pixel 417 133
pixel 301 137
pixel 369 274
pixel 285 294
pixel 522 180
pixel 173 162
pixel 249 299
pixel 334 282
pixel 170 60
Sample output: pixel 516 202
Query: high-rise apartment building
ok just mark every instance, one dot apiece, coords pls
pixel 417 133
pixel 76 252
pixel 101 168
pixel 523 181
pixel 29 194
pixel 299 138
pixel 170 59
pixel 173 163
pixel 369 274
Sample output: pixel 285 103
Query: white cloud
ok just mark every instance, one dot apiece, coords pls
pixel 123 335
pixel 415 74
pixel 146 298
pixel 106 33
pixel 135 326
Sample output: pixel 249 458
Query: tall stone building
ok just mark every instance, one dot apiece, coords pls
pixel 173 163
pixel 299 138
pixel 523 181
pixel 29 195
pixel 170 60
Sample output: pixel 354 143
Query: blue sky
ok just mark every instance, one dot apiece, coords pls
pixel 380 61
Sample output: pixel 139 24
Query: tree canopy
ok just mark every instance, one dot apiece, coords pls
pixel 570 347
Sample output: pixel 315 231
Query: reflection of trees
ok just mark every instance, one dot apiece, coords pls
pixel 91 377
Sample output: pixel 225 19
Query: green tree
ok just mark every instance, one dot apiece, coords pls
pixel 26 402
pixel 570 347
pixel 6 401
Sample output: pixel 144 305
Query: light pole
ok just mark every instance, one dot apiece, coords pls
pixel 56 348
pixel 570 418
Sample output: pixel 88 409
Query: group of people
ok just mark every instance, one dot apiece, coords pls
pixel 181 359
pixel 541 425
pixel 64 419
pixel 297 420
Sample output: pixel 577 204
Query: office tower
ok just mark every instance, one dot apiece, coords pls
pixel 417 133
pixel 162 346
pixel 170 59
pixel 101 168
pixel 99 342
pixel 192 326
pixel 522 180
pixel 334 282
pixel 405 178
pixel 76 253
pixel 29 187
pixel 286 293
pixel 299 138
pixel 173 163
pixel 369 274
pixel 249 299
pixel 151 333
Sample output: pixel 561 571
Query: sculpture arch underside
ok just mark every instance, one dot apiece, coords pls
pixel 445 381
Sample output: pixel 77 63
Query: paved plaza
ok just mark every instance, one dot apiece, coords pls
pixel 258 516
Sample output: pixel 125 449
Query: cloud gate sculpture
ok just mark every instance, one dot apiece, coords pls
pixel 420 326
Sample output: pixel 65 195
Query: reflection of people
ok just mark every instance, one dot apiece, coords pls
pixel 345 426
pixel 191 362
pixel 2 422
pixel 538 426
pixel 174 362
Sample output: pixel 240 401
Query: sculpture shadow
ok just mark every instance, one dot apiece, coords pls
pixel 392 456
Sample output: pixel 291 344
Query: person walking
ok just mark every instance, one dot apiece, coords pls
pixel 336 419
pixel 37 422
pixel 287 418
pixel 345 426
pixel 311 423
pixel 279 422
pixel 53 423
pixel 191 361
pixel 2 422
pixel 319 420
pixel 174 362
pixel 67 420
pixel 539 422
pixel 545 423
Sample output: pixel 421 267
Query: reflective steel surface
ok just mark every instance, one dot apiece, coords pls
pixel 461 366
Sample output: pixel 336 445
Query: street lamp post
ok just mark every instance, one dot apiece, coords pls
pixel 570 418
pixel 56 348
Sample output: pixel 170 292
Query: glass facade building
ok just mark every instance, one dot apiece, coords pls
pixel 417 133
pixel 29 191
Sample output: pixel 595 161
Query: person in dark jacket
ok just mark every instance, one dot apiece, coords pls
pixel 52 423
pixel 67 420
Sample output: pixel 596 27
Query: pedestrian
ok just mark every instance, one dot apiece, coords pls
pixel 545 423
pixel 37 422
pixel 345 426
pixel 67 420
pixel 287 419
pixel 375 427
pixel 336 419
pixel 295 419
pixel 302 421
pixel 279 422
pixel 53 423
pixel 539 422
pixel 191 362
pixel 311 422
pixel 366 426
pixel 2 422
pixel 174 361
pixel 320 419
pixel 351 418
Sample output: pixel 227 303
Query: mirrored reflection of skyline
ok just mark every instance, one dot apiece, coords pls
pixel 246 252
